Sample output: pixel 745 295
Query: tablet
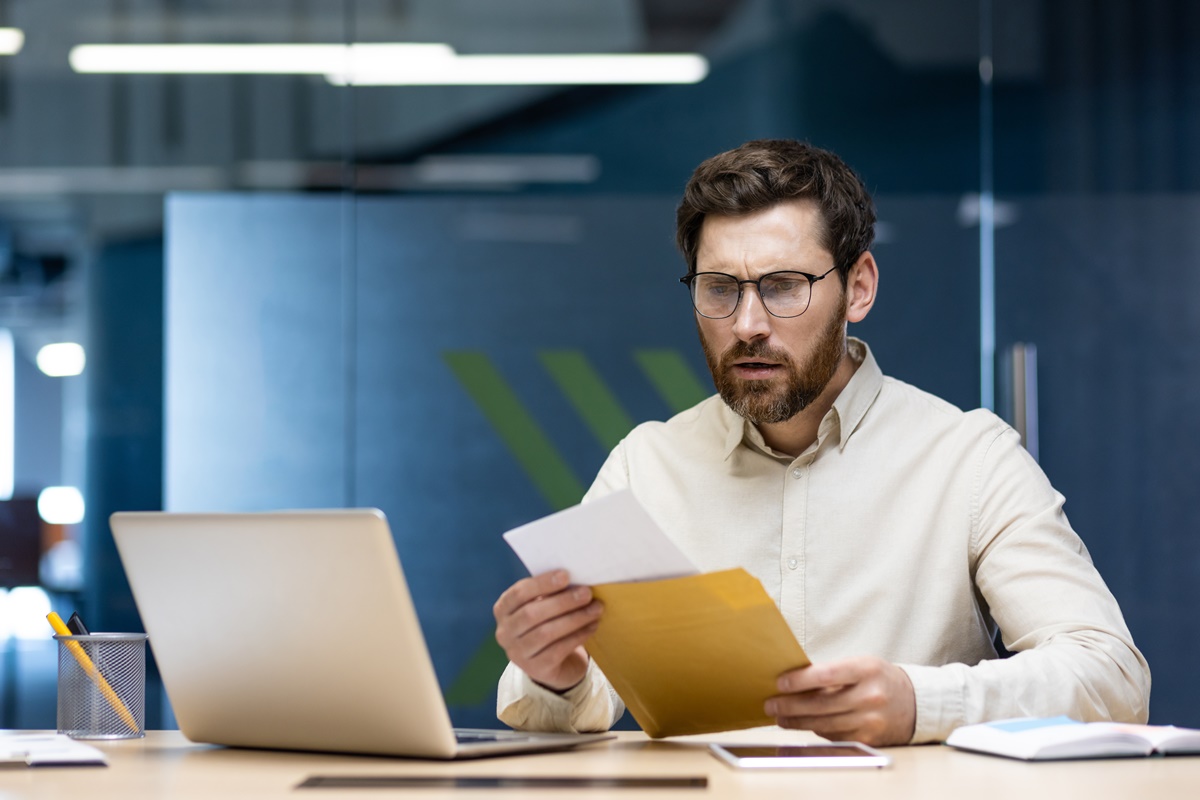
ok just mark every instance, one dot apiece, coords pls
pixel 792 756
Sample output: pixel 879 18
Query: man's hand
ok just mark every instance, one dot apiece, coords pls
pixel 862 699
pixel 542 623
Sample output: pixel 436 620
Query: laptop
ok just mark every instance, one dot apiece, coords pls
pixel 295 630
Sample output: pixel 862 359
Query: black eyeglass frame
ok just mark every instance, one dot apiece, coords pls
pixel 691 276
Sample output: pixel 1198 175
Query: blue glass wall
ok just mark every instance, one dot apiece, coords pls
pixel 350 349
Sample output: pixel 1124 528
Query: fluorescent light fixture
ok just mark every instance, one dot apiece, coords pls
pixel 390 64
pixel 505 169
pixel 60 505
pixel 110 180
pixel 574 69
pixel 253 59
pixel 61 360
pixel 8 427
pixel 11 41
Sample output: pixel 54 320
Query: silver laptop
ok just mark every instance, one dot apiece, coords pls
pixel 295 630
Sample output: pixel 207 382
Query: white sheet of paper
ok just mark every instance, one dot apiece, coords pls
pixel 47 750
pixel 610 540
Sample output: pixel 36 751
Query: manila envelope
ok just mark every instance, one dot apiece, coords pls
pixel 696 654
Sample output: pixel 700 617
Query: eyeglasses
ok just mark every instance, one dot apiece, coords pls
pixel 784 294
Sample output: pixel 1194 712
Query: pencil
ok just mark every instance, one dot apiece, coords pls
pixel 88 667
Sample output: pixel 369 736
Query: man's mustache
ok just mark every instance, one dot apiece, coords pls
pixel 755 349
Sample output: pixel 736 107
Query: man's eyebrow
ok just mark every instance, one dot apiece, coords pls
pixel 773 267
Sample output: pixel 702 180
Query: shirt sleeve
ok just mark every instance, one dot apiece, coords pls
pixel 1072 652
pixel 592 705
pixel 612 477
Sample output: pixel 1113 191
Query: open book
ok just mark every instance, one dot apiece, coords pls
pixel 1044 739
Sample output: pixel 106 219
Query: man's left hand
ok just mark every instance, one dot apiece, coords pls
pixel 863 699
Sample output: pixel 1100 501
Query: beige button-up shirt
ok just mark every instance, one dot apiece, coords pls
pixel 909 530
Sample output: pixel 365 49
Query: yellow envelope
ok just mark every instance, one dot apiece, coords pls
pixel 694 655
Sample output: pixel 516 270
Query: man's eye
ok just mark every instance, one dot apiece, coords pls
pixel 783 285
pixel 719 289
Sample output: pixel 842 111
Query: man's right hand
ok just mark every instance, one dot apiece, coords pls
pixel 542 623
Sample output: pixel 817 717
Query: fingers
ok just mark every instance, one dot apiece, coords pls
pixel 543 600
pixel 827 675
pixel 545 608
pixel 865 699
pixel 561 664
pixel 542 623
pixel 528 589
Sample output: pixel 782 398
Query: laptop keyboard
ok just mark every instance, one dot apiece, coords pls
pixel 470 737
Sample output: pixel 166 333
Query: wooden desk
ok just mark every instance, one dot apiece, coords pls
pixel 165 765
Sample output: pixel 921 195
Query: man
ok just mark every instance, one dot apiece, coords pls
pixel 896 532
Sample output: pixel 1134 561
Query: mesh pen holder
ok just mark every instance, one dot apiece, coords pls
pixel 102 685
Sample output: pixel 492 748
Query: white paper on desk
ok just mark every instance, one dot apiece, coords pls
pixel 610 540
pixel 48 750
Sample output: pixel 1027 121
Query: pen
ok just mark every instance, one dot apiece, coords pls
pixel 75 623
pixel 61 629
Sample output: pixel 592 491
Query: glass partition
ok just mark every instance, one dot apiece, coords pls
pixel 1097 171
pixel 1032 163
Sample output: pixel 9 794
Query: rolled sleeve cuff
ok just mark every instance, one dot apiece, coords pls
pixel 591 705
pixel 939 698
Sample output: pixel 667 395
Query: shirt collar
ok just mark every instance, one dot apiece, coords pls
pixel 860 393
pixel 848 409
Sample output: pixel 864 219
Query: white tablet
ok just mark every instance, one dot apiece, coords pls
pixel 792 756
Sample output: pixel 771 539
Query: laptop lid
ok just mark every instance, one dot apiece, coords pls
pixel 292 630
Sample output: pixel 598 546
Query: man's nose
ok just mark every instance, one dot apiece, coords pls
pixel 751 320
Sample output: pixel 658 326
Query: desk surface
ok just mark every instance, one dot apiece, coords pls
pixel 166 765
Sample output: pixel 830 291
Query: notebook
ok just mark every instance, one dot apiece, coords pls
pixel 295 630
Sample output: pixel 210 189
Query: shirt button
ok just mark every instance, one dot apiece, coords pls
pixel 797 472
pixel 792 563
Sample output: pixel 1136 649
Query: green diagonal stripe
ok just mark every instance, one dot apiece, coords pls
pixel 587 392
pixel 478 678
pixel 541 462
pixel 518 430
pixel 601 412
pixel 672 378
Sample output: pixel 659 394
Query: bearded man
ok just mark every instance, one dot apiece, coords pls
pixel 899 535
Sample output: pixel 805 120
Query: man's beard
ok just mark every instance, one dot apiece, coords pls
pixel 772 401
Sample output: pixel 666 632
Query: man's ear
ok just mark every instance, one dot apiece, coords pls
pixel 861 285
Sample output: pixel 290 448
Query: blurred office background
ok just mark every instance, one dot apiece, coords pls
pixel 448 300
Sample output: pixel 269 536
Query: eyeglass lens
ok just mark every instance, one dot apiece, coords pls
pixel 785 294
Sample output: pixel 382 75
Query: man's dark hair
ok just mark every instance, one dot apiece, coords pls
pixel 764 172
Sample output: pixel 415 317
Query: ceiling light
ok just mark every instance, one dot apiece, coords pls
pixel 396 64
pixel 25 608
pixel 11 41
pixel 60 505
pixel 467 169
pixel 61 360
pixel 573 69
pixel 253 59
pixel 110 180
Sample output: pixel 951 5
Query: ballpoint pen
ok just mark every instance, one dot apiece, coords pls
pixel 85 662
